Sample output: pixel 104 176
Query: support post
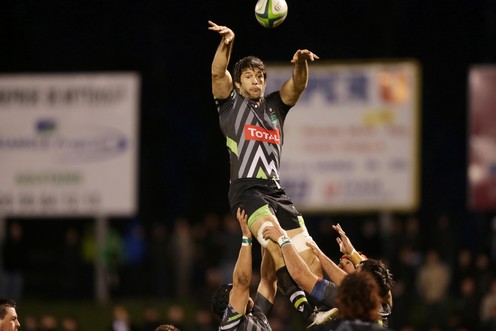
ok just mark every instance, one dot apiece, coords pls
pixel 101 284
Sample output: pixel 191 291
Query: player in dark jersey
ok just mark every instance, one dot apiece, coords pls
pixel 324 291
pixel 358 302
pixel 252 123
pixel 232 304
pixel 360 262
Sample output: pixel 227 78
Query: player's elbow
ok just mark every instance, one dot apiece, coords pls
pixel 242 279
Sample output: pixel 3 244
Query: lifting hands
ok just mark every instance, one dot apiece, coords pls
pixel 345 245
pixel 224 31
pixel 242 219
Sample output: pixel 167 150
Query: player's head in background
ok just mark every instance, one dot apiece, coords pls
pixel 220 300
pixel 381 273
pixel 357 298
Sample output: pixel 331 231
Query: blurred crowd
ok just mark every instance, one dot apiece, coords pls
pixel 444 268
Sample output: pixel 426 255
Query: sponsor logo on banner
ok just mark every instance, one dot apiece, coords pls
pixel 74 143
pixel 351 141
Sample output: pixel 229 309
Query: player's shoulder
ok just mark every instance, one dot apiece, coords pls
pixel 223 104
pixel 274 95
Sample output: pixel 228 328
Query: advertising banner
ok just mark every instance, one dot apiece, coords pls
pixel 351 141
pixel 68 144
pixel 482 138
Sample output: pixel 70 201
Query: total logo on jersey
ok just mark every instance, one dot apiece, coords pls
pixel 253 132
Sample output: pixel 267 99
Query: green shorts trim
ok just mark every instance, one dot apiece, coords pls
pixel 262 211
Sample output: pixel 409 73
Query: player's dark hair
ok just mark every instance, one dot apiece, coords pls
pixel 357 297
pixel 220 300
pixel 4 303
pixel 249 62
pixel 381 273
pixel 166 327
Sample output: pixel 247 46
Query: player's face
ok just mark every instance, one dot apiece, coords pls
pixel 252 84
pixel 347 266
pixel 10 321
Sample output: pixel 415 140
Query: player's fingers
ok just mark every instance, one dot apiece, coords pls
pixel 313 57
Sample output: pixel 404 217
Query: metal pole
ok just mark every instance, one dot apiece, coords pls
pixel 101 288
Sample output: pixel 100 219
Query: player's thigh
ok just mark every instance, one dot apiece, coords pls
pixel 256 226
pixel 299 238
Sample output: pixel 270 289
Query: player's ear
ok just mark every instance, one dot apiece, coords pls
pixel 237 85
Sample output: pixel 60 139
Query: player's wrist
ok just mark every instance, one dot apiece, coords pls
pixel 283 240
pixel 246 241
pixel 355 258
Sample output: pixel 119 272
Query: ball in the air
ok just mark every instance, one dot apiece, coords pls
pixel 271 13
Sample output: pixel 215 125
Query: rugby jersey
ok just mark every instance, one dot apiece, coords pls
pixel 254 135
pixel 254 321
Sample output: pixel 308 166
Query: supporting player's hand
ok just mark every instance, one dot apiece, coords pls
pixel 273 232
pixel 226 33
pixel 302 55
pixel 345 245
pixel 315 248
pixel 242 217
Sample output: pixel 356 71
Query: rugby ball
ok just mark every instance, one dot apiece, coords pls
pixel 271 13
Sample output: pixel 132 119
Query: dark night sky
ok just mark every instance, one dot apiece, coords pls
pixel 183 164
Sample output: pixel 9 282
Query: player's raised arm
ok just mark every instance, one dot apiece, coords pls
pixel 242 273
pixel 346 247
pixel 221 78
pixel 293 87
pixel 335 273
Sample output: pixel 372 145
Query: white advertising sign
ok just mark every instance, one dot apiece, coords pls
pixel 351 142
pixel 68 144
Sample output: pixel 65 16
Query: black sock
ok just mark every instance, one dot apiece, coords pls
pixel 293 292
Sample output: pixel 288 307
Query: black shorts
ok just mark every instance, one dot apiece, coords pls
pixel 252 195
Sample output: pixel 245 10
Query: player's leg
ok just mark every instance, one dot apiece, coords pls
pixel 267 288
pixel 299 238
pixel 285 282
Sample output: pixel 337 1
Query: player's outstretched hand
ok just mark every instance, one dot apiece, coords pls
pixel 345 245
pixel 304 55
pixel 224 31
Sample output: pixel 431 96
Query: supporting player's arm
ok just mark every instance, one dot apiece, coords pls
pixel 292 88
pixel 297 267
pixel 238 298
pixel 221 78
pixel 335 273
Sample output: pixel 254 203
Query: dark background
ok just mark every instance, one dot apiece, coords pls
pixel 183 163
pixel 183 160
